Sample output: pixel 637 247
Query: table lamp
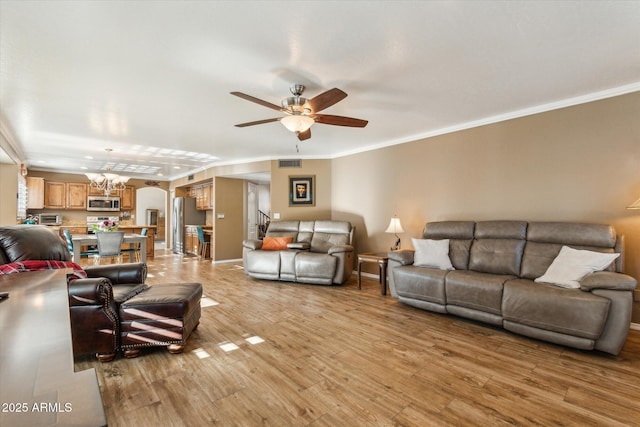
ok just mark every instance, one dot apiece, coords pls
pixel 395 227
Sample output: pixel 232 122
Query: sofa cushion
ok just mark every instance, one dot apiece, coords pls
pixel 497 256
pixel 432 253
pixel 29 242
pixel 283 229
pixel 478 291
pixel 321 242
pixel 548 307
pixel 276 243
pixel 460 235
pixel 545 239
pixel 315 267
pixel 263 264
pixel 421 283
pixel 572 265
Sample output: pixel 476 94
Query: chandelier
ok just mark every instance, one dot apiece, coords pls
pixel 108 181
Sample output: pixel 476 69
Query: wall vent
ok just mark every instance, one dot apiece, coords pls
pixel 295 163
pixel 190 177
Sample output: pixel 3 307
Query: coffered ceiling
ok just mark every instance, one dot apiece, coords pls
pixel 151 79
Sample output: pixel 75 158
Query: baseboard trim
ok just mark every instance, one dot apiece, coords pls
pixel 635 326
pixel 364 274
pixel 227 261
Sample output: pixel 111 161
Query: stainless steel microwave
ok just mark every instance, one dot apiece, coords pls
pixel 50 219
pixel 104 204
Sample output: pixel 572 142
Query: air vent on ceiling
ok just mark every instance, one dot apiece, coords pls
pixel 296 163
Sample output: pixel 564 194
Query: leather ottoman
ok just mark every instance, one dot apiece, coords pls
pixel 160 315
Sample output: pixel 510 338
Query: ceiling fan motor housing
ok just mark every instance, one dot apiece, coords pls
pixel 295 105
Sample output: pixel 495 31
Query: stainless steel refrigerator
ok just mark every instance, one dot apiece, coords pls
pixel 184 213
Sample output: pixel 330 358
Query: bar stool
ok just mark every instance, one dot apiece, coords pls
pixel 136 250
pixel 204 244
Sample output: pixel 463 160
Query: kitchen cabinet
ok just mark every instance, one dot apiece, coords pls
pixel 204 196
pixel 127 198
pixel 94 191
pixel 65 195
pixel 35 193
pixel 192 242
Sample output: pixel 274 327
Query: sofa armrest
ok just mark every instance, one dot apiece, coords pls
pixel 299 246
pixel 404 257
pixel 252 244
pixel 93 291
pixel 339 249
pixel 608 280
pixel 119 273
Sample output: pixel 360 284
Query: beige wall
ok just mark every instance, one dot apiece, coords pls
pixel 280 190
pixel 575 164
pixel 228 231
pixel 8 193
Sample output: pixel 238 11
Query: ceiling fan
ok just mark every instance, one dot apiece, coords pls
pixel 302 113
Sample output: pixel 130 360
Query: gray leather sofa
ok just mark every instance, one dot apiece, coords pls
pixel 320 253
pixel 495 265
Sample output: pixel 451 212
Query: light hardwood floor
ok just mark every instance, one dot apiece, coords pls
pixel 337 356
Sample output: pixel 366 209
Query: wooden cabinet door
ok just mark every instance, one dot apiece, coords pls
pixel 35 193
pixel 93 191
pixel 55 195
pixel 76 195
pixel 210 196
pixel 198 197
pixel 128 198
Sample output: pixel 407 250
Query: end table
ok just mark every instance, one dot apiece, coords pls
pixel 382 260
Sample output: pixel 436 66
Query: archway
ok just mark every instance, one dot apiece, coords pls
pixel 153 198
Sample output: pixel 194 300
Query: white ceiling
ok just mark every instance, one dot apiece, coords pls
pixel 151 79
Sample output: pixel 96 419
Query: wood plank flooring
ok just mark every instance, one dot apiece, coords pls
pixel 337 356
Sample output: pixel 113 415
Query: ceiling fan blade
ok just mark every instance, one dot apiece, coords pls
pixel 258 122
pixel 329 119
pixel 257 101
pixel 326 99
pixel 304 135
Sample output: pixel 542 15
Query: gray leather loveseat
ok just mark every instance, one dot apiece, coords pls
pixel 320 252
pixel 494 267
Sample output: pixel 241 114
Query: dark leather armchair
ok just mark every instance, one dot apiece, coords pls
pixel 93 301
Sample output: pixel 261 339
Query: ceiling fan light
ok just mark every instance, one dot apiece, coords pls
pixel 297 123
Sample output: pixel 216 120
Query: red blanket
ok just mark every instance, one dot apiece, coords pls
pixel 37 265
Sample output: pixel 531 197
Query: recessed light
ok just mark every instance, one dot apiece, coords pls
pixel 176 167
pixel 84 167
pixel 88 157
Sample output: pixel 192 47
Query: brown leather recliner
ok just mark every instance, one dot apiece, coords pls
pixel 94 302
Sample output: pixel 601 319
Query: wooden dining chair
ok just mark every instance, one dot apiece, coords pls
pixel 109 246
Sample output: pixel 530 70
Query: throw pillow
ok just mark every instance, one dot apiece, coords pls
pixel 572 265
pixel 432 253
pixel 276 243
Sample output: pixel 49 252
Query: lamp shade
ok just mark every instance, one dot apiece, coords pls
pixel 395 226
pixel 297 122
pixel 634 205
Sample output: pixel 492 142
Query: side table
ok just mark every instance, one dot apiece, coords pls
pixel 382 260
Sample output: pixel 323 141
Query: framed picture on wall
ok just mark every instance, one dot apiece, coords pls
pixel 302 190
